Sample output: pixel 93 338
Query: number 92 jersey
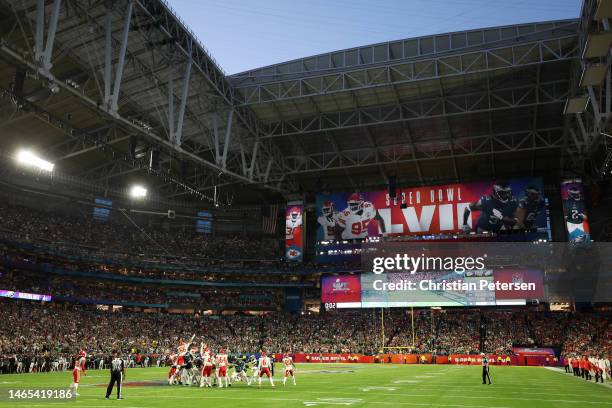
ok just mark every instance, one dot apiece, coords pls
pixel 355 223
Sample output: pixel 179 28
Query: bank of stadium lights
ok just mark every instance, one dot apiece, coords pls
pixel 29 159
pixel 137 191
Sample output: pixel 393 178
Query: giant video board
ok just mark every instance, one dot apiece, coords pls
pixel 516 205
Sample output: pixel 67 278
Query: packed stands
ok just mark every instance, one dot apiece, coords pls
pixel 59 330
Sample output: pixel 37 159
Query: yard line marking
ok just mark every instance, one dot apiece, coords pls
pixel 332 401
pixel 319 401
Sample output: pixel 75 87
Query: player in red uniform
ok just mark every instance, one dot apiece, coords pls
pixel 289 369
pixel 76 375
pixel 82 360
pixel 222 362
pixel 264 368
pixel 173 369
pixel 183 348
pixel 207 365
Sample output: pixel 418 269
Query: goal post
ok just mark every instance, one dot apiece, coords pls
pixel 384 347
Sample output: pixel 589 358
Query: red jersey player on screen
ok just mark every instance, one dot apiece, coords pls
pixel 293 223
pixel 289 369
pixel 328 221
pixel 354 220
pixel 265 364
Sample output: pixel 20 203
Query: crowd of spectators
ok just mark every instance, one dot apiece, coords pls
pixel 47 333
pixel 122 237
pixel 143 248
pixel 87 290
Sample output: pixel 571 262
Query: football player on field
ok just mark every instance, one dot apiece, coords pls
pixel 207 365
pixel 255 368
pixel 240 370
pixel 222 363
pixel 265 365
pixel 497 211
pixel 354 220
pixel 289 369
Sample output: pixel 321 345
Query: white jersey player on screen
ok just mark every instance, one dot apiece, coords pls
pixel 328 221
pixel 293 221
pixel 354 220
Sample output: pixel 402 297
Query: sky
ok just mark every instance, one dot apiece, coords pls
pixel 246 34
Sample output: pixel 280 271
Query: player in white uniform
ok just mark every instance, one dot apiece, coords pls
pixel 255 369
pixel 293 221
pixel 264 368
pixel 354 220
pixel 289 369
pixel 207 363
pixel 328 221
pixel 221 360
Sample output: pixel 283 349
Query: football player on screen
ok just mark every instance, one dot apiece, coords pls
pixel 497 210
pixel 575 215
pixel 354 220
pixel 293 221
pixel 328 220
pixel 529 207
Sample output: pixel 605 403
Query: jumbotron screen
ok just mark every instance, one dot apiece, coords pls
pixel 471 288
pixel 516 206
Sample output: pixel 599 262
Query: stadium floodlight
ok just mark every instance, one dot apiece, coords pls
pixel 138 191
pixel 27 158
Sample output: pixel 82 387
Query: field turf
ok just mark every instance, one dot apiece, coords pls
pixel 335 385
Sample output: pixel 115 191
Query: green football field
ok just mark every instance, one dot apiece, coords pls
pixel 349 385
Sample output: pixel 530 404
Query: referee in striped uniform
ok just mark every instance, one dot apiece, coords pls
pixel 117 368
pixel 485 369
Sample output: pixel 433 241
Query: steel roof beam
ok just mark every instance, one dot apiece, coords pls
pixel 516 56
pixel 438 107
pixel 405 49
pixel 481 145
pixel 121 63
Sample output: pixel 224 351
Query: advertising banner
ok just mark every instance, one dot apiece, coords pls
pixel 25 296
pixel 294 232
pixel 459 359
pixel 574 210
pixel 501 207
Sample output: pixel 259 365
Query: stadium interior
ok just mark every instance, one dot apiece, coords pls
pixel 144 191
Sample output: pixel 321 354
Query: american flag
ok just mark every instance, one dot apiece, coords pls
pixel 268 222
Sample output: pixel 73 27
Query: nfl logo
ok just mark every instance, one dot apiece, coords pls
pixel 517 278
pixel 339 285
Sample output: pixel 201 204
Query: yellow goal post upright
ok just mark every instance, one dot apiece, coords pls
pixel 405 348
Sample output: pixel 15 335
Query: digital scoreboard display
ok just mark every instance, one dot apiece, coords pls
pixel 469 288
pixel 102 209
pixel 204 222
pixel 511 210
